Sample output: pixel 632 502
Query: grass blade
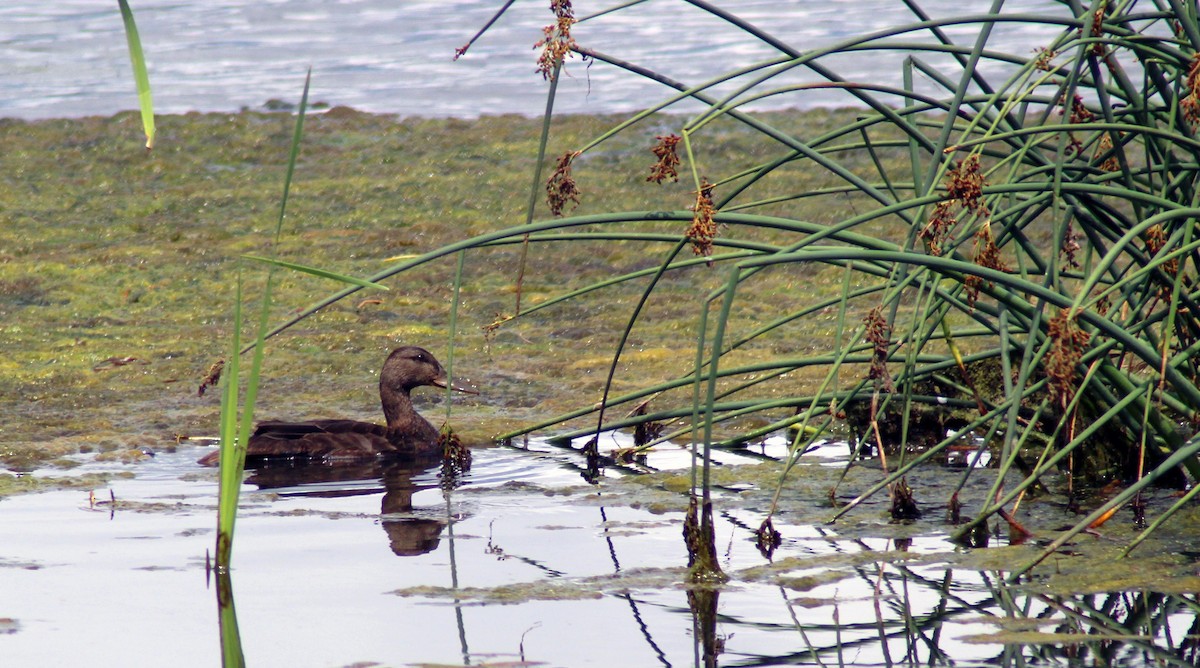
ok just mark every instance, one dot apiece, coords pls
pixel 140 75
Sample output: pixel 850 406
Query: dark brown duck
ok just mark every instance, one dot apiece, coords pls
pixel 406 434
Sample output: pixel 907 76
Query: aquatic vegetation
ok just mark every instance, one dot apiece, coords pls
pixel 963 310
pixel 1038 222
pixel 997 220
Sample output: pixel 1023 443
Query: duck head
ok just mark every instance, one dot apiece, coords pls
pixel 410 366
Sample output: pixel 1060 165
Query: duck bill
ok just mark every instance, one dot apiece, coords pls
pixel 442 382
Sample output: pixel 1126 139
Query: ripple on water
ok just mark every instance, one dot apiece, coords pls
pixel 76 63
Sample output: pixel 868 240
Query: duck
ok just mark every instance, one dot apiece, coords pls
pixel 406 435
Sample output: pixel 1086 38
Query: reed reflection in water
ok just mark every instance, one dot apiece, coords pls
pixel 823 600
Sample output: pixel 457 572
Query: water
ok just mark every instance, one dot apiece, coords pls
pixel 525 562
pixel 68 58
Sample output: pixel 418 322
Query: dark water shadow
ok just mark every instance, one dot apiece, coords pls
pixel 398 480
pixel 407 535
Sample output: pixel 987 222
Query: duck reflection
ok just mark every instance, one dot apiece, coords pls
pixel 398 480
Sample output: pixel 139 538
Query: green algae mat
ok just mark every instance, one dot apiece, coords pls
pixel 118 268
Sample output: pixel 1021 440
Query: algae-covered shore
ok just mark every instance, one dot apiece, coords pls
pixel 118 268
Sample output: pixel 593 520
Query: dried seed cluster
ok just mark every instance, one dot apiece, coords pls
pixel 557 42
pixel 1067 343
pixel 964 188
pixel 703 229
pixel 987 255
pixel 1191 102
pixel 1070 246
pixel 1105 146
pixel 560 187
pixel 1077 113
pixel 667 166
pixel 1156 239
pixel 879 335
pixel 1044 58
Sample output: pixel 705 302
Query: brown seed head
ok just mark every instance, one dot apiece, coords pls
pixel 668 159
pixel 1110 164
pixel 878 334
pixel 987 255
pixel 1191 102
pixel 1044 56
pixel 212 378
pixel 964 187
pixel 1098 27
pixel 965 184
pixel 560 187
pixel 557 43
pixel 1156 239
pixel 1070 247
pixel 1067 343
pixel 703 229
pixel 939 226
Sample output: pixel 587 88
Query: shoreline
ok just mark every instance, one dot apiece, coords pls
pixel 321 108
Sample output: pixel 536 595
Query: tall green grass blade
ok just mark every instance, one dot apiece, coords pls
pixel 237 418
pixel 293 152
pixel 535 188
pixel 140 75
pixel 233 451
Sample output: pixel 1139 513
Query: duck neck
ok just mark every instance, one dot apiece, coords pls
pixel 397 407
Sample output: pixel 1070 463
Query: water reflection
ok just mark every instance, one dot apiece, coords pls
pixel 703 604
pixel 408 535
pixel 890 613
pixel 588 575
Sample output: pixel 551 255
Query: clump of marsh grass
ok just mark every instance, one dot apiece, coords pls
pixel 1015 236
pixel 996 226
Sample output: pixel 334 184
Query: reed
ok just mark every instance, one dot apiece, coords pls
pixel 237 410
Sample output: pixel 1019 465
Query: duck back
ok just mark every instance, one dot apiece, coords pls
pixel 337 441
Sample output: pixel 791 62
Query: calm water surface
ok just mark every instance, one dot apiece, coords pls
pixel 68 58
pixel 341 572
